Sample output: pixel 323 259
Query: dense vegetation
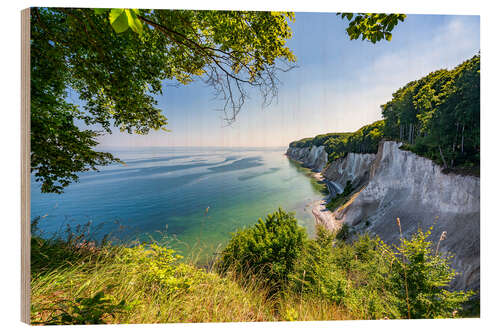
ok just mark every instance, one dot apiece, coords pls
pixel 269 249
pixel 367 277
pixel 337 145
pixel 267 272
pixel 436 116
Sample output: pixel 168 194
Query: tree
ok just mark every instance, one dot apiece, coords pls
pixel 438 116
pixel 117 60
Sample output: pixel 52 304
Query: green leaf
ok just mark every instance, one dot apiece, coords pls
pixel 119 19
pixel 133 21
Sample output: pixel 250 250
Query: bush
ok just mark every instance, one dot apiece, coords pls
pixel 419 279
pixel 350 275
pixel 374 280
pixel 269 249
pixel 343 233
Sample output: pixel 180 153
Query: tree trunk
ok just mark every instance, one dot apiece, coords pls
pixel 463 128
pixel 455 140
pixel 412 133
pixel 442 157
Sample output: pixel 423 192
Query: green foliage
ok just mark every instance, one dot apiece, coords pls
pixel 343 233
pixel 416 267
pixel 370 278
pixel 371 27
pixel 351 275
pixel 438 116
pixel 121 19
pixel 48 254
pixel 302 143
pixel 115 72
pixel 366 276
pixel 84 311
pixel 269 249
pixel 337 145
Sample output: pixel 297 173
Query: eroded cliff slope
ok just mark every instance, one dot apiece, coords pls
pixel 397 183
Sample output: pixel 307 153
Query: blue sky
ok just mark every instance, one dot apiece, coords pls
pixel 339 84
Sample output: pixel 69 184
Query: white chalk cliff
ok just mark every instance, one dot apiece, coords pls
pixel 396 183
pixel 313 157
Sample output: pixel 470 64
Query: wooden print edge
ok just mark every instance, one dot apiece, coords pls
pixel 25 167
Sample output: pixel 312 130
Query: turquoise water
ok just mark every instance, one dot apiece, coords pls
pixel 197 196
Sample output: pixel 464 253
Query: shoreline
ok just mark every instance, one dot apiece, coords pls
pixel 323 215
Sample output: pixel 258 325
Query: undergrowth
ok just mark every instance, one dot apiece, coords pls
pixel 268 272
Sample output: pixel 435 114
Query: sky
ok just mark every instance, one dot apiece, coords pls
pixel 338 85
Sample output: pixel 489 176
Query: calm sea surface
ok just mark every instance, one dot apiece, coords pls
pixel 196 196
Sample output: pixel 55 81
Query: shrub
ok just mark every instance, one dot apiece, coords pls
pixel 374 280
pixel 350 275
pixel 343 233
pixel 269 249
pixel 419 279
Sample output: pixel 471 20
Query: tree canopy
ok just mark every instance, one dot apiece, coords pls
pixel 337 145
pixel 437 116
pixel 118 60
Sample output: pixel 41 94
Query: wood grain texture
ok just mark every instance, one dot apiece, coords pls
pixel 25 166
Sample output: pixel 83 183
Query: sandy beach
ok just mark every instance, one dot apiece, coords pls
pixel 323 215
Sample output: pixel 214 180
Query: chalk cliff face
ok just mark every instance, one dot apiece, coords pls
pixel 353 167
pixel 396 183
pixel 313 157
pixel 402 184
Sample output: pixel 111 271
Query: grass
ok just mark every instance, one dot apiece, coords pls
pixel 331 278
pixel 150 284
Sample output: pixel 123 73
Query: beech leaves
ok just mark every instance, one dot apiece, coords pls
pixel 121 19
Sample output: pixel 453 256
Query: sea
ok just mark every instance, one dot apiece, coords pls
pixel 192 198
